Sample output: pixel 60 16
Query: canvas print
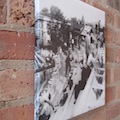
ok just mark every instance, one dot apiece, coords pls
pixel 69 59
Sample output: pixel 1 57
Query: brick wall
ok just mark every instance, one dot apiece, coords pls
pixel 17 54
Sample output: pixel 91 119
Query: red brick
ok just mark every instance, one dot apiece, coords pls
pixel 101 1
pixel 118 55
pixel 117 38
pixel 113 75
pixel 15 45
pixel 116 74
pixel 111 112
pixel 117 92
pixel 17 113
pixel 110 2
pixel 3 11
pixel 109 36
pixel 117 4
pixel 97 115
pixel 110 54
pixel 117 21
pixel 117 118
pixel 108 12
pixel 22 12
pixel 110 94
pixel 16 84
pixel 109 75
pixel 118 108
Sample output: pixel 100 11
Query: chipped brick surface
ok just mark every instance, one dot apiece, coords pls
pixel 3 11
pixel 22 12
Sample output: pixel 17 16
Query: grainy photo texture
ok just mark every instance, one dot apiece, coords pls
pixel 69 59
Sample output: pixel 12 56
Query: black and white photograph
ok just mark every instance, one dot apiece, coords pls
pixel 69 59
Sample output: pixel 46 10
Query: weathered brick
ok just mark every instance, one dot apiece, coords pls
pixel 98 114
pixel 117 38
pixel 113 75
pixel 17 113
pixel 117 92
pixel 117 4
pixel 101 1
pixel 110 94
pixel 111 112
pixel 109 75
pixel 117 21
pixel 15 45
pixel 117 118
pixel 118 107
pixel 110 54
pixel 16 84
pixel 2 104
pixel 118 55
pixel 22 12
pixel 110 2
pixel 116 73
pixel 109 36
pixel 3 11
pixel 114 4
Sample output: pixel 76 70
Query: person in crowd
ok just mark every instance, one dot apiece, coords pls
pixel 101 49
pixel 92 56
pixel 85 69
pixel 87 41
pixel 67 62
pixel 46 108
pixel 76 56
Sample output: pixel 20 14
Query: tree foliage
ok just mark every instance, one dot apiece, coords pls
pixel 59 27
pixel 56 13
pixel 45 12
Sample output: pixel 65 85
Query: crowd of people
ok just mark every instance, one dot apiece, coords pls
pixel 66 69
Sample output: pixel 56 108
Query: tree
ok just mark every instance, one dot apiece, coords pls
pixel 56 14
pixel 54 27
pixel 58 27
pixel 45 12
